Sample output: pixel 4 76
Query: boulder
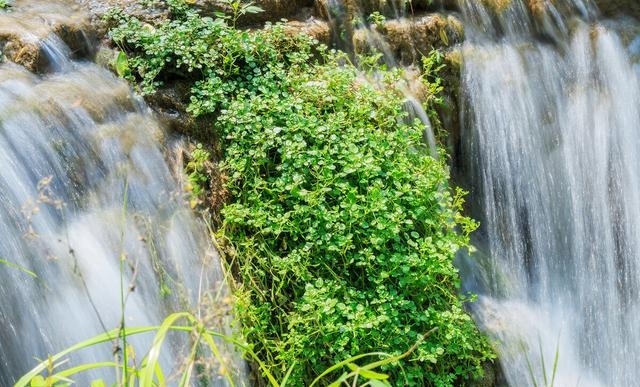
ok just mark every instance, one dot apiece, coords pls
pixel 27 54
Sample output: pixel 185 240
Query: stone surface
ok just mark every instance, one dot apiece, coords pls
pixel 619 7
pixel 26 27
pixel 273 10
pixel 408 39
pixel 27 54
pixel 388 8
pixel 97 10
pixel 316 28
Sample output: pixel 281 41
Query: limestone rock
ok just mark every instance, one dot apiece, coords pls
pixel 619 7
pixel 26 54
pixel 316 28
pixel 410 38
pixel 24 32
pixel 99 8
pixel 388 8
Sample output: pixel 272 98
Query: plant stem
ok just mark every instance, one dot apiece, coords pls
pixel 122 332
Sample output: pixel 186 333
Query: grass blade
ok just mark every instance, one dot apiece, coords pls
pixel 147 374
pixel 555 362
pixel 542 363
pixel 99 339
pixel 22 269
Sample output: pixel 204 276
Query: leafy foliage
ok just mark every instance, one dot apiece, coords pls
pixel 345 229
pixel 342 228
pixel 196 170
pixel 377 19
pixel 149 372
pixel 221 60
pixel 207 346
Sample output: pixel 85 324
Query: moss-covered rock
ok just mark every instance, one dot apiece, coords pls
pixel 410 39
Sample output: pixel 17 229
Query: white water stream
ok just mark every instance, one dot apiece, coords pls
pixel 551 150
pixel 90 212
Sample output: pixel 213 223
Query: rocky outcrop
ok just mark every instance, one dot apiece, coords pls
pixel 26 29
pixel 388 8
pixel 425 24
pixel 273 11
pixel 613 8
pixel 403 30
pixel 409 39
pixel 346 26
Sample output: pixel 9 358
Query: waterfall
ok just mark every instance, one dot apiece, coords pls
pixel 89 206
pixel 550 152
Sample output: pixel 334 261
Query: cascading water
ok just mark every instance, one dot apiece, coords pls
pixel 551 113
pixel 94 230
pixel 366 39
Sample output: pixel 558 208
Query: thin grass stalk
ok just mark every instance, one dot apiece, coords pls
pixel 146 377
pixel 121 335
pixel 555 362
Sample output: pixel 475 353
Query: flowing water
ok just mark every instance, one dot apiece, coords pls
pixel 551 154
pixel 94 229
pixel 90 207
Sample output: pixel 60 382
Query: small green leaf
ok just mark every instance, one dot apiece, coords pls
pixel 371 375
pixel 38 381
pixel 252 9
pixel 122 64
pixel 379 383
pixel 338 382
pixel 98 383
pixel 365 373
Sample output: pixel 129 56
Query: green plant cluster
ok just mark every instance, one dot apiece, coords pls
pixel 206 345
pixel 345 230
pixel 342 229
pixel 222 61
pixel 196 170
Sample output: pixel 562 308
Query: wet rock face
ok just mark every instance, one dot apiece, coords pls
pixel 410 39
pixel 28 54
pixel 402 30
pixel 619 8
pixel 26 27
pixel 98 8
